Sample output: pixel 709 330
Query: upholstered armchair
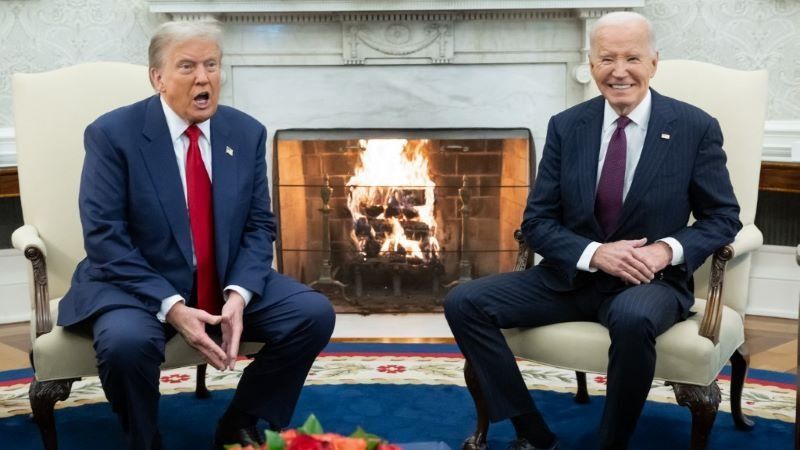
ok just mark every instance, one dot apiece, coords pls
pixel 51 110
pixel 797 391
pixel 691 354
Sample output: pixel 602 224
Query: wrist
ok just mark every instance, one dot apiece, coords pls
pixel 175 311
pixel 667 252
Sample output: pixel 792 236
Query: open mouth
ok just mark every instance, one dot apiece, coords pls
pixel 201 99
pixel 621 86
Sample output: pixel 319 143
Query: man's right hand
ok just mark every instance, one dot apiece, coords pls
pixel 191 324
pixel 618 259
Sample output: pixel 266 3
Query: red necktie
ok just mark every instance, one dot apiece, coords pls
pixel 608 202
pixel 201 219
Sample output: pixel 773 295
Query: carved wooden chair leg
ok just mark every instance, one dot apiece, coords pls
pixel 703 402
pixel 478 440
pixel 43 396
pixel 740 360
pixel 200 390
pixel 582 395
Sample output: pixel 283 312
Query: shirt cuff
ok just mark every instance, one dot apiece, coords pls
pixel 245 293
pixel 166 305
pixel 677 250
pixel 586 257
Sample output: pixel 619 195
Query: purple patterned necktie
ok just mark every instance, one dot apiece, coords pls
pixel 608 202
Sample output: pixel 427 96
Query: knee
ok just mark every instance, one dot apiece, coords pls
pixel 632 325
pixel 125 349
pixel 460 299
pixel 320 317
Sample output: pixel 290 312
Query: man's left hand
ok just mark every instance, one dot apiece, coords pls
pixel 655 256
pixel 232 313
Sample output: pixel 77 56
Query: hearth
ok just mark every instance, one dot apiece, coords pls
pixel 388 220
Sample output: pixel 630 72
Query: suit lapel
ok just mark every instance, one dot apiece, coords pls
pixel 587 135
pixel 158 153
pixel 225 179
pixel 655 149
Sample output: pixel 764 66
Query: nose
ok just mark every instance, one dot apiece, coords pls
pixel 620 68
pixel 201 76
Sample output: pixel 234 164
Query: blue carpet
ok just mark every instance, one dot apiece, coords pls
pixel 400 413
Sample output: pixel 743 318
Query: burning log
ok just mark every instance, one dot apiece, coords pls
pixel 391 198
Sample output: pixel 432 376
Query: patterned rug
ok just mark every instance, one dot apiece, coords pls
pixel 768 396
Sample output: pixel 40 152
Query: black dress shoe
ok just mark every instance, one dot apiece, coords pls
pixel 523 444
pixel 232 436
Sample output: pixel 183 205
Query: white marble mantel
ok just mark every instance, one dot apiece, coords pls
pixel 328 64
pixel 294 6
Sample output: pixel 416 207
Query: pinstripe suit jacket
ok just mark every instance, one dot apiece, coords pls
pixel 677 175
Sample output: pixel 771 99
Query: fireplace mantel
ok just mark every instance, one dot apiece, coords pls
pixel 327 64
pixel 318 6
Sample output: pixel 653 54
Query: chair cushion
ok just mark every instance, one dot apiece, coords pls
pixel 682 354
pixel 49 350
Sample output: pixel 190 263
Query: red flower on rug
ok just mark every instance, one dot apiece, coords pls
pixel 391 368
pixel 174 378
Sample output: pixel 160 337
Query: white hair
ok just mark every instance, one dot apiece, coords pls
pixel 623 18
pixel 181 31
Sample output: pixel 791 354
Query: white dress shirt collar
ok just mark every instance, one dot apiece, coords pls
pixel 177 126
pixel 640 115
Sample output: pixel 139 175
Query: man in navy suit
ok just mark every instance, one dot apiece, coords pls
pixel 618 178
pixel 179 235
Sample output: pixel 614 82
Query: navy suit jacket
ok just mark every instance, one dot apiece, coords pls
pixel 135 221
pixel 681 171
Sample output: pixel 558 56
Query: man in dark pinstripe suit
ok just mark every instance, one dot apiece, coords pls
pixel 619 177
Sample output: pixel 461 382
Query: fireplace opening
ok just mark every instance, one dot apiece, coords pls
pixel 389 220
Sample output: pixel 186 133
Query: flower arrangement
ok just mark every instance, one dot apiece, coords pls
pixel 311 436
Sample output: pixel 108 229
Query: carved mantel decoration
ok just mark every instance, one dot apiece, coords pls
pixel 420 31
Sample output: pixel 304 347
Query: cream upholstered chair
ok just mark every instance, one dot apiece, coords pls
pixel 51 110
pixel 691 354
pixel 797 391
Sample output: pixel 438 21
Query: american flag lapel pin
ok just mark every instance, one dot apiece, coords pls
pixel 229 150
pixel 665 136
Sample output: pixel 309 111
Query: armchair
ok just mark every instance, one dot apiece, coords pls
pixel 797 391
pixel 51 111
pixel 691 354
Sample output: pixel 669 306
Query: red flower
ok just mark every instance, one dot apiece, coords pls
pixel 305 442
pixel 388 447
pixel 391 368
pixel 174 378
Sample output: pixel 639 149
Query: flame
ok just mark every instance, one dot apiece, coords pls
pixel 384 186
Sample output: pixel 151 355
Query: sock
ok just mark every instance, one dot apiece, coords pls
pixel 235 418
pixel 532 427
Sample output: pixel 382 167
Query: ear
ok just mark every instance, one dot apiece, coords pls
pixel 155 79
pixel 655 65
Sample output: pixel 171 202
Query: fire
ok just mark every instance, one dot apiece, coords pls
pixel 391 198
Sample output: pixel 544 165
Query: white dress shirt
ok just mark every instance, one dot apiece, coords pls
pixel 177 126
pixel 635 134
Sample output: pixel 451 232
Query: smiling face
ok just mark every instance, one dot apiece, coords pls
pixel 622 62
pixel 188 78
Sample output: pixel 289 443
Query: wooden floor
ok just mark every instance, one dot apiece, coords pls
pixel 772 343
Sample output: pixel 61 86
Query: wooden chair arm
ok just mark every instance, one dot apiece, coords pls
pixel 712 318
pixel 26 239
pixel 524 254
pixel 747 240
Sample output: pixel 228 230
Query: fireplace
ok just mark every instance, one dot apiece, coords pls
pixel 325 75
pixel 388 220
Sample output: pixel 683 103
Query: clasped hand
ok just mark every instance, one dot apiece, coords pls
pixel 191 324
pixel 632 261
